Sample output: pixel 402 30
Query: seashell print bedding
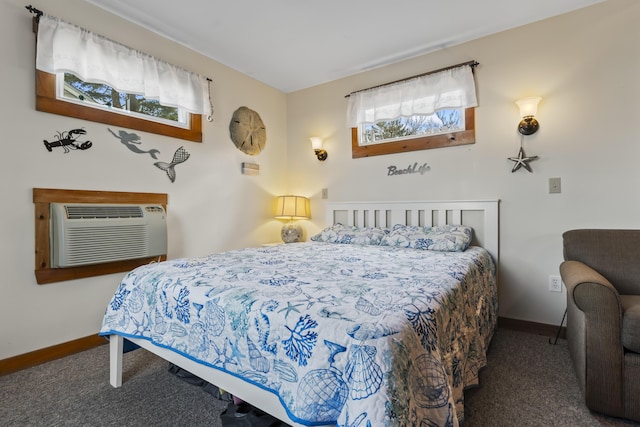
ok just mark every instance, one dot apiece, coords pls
pixel 345 334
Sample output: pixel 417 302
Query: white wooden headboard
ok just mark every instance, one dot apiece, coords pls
pixel 482 215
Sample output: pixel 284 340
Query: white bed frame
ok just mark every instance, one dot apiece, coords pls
pixel 482 215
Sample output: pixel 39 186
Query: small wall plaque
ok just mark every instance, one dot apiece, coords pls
pixel 250 168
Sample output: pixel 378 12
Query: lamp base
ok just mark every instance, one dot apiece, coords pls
pixel 291 233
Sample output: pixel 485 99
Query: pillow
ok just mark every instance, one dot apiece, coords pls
pixel 444 238
pixel 350 235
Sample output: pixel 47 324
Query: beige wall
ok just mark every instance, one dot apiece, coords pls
pixel 212 206
pixel 585 66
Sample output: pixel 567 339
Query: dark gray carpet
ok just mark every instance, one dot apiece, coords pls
pixel 528 382
pixel 75 391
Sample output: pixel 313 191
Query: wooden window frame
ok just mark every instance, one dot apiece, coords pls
pixel 464 137
pixel 47 101
pixel 42 199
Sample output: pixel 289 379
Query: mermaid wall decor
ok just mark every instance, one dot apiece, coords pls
pixel 132 141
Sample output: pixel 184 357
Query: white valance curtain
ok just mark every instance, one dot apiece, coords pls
pixel 450 88
pixel 63 47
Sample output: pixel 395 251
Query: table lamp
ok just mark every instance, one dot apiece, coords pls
pixel 292 208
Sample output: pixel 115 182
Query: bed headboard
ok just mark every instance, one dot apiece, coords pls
pixel 481 215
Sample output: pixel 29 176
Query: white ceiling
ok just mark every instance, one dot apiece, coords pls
pixel 295 44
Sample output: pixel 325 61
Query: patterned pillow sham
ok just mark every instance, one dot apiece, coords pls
pixel 350 235
pixel 444 238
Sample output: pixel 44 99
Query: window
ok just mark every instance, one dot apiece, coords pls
pixel 48 101
pixel 424 141
pixel 427 111
pixel 72 88
pixel 137 91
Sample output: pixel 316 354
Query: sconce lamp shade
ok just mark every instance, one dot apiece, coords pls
pixel 316 142
pixel 292 207
pixel 528 106
pixel 528 109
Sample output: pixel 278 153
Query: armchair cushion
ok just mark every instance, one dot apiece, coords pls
pixel 631 322
pixel 612 253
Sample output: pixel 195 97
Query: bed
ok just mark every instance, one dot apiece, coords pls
pixel 383 319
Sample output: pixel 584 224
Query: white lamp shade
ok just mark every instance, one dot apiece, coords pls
pixel 316 142
pixel 292 207
pixel 528 106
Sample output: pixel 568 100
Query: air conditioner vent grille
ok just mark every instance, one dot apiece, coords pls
pixel 103 212
pixel 89 245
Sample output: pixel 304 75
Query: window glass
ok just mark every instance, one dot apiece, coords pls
pixel 102 96
pixel 441 122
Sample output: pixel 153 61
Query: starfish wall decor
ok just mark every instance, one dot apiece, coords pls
pixel 522 161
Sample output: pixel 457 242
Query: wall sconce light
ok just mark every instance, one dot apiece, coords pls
pixel 527 126
pixel 316 144
pixel 291 208
pixel 528 109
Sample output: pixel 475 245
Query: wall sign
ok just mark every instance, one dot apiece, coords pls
pixel 250 168
pixel 411 169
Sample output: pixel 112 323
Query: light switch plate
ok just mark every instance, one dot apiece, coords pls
pixel 554 185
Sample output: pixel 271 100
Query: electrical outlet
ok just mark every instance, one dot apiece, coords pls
pixel 555 284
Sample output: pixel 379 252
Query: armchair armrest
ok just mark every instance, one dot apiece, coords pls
pixel 594 332
pixel 589 289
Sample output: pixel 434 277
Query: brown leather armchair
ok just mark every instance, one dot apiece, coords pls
pixel 602 274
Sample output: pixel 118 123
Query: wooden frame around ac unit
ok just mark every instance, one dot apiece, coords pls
pixel 43 197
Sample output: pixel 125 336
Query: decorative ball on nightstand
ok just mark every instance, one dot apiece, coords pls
pixel 292 208
pixel 291 233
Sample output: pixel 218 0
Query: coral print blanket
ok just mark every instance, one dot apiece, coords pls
pixel 353 335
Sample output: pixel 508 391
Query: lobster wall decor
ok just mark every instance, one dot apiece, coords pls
pixel 68 140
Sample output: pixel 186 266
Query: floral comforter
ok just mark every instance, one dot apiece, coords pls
pixel 346 334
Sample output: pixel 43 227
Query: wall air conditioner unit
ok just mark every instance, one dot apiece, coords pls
pixel 87 233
